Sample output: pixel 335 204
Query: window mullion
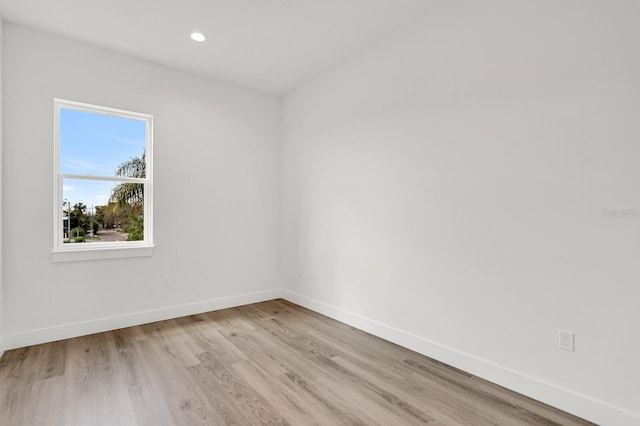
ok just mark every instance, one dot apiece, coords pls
pixel 103 178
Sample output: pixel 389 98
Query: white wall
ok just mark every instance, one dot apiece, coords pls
pixel 216 195
pixel 1 222
pixel 445 189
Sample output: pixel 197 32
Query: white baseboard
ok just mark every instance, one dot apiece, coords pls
pixel 83 328
pixel 580 405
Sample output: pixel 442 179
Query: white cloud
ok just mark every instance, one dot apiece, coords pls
pixel 67 188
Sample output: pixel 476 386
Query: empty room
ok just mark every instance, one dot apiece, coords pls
pixel 320 212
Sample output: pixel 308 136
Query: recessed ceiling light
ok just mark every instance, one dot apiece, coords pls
pixel 196 36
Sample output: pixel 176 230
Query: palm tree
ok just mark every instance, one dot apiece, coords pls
pixel 79 209
pixel 129 197
pixel 130 193
pixel 77 216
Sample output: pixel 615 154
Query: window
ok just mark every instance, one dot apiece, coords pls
pixel 103 182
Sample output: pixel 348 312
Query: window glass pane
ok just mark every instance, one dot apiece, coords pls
pixel 102 211
pixel 97 144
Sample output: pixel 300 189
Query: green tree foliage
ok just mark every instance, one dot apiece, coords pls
pixel 136 229
pixel 131 193
pixel 126 204
pixel 100 214
pixel 77 232
pixel 78 216
pixel 114 215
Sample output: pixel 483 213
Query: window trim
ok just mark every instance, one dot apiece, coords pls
pixel 98 250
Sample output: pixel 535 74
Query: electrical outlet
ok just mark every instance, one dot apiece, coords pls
pixel 166 282
pixel 566 340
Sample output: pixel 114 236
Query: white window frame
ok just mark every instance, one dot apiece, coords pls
pixel 101 250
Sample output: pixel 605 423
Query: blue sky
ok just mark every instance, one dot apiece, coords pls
pixel 96 144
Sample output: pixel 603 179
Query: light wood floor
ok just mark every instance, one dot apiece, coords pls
pixel 267 363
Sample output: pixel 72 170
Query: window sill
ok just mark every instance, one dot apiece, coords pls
pixel 70 255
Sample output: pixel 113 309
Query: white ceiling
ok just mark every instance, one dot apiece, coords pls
pixel 270 45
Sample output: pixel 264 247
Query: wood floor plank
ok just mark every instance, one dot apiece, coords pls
pixel 404 389
pixel 328 399
pixel 16 405
pixel 211 340
pixel 252 406
pixel 294 409
pixel 267 363
pixel 186 403
pixel 95 392
pixel 54 360
pixel 554 415
pixel 49 402
pixel 145 398
pixel 173 340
